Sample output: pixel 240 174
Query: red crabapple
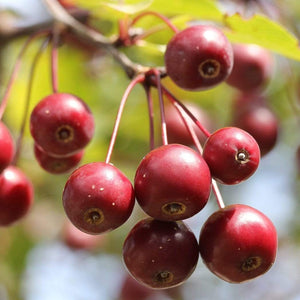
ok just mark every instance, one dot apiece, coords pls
pixel 232 155
pixel 252 68
pixel 98 197
pixel 238 243
pixel 16 195
pixel 61 124
pixel 7 147
pixel 199 57
pixel 76 239
pixel 252 114
pixel 160 254
pixel 57 165
pixel 172 182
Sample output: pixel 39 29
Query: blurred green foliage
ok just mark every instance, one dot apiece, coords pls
pixel 101 83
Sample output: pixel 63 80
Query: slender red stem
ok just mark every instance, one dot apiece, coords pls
pixel 27 102
pixel 197 143
pixel 173 99
pixel 54 60
pixel 123 29
pixel 217 194
pixel 162 110
pixel 151 115
pixel 158 15
pixel 16 69
pixel 138 79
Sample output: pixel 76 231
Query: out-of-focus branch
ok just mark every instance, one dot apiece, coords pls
pixel 92 36
pixel 74 21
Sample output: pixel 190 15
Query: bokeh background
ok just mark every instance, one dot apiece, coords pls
pixel 36 261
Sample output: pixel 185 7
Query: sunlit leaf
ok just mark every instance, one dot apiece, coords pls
pixel 123 7
pixel 264 32
pixel 130 8
pixel 204 9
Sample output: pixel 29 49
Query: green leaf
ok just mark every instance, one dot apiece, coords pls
pixel 122 7
pixel 130 8
pixel 204 9
pixel 264 32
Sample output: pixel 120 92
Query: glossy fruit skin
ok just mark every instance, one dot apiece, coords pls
pixel 61 124
pixel 98 197
pixel 172 182
pixel 234 239
pixel 7 147
pixel 252 68
pixel 198 57
pixel 160 254
pixel 176 129
pixel 232 155
pixel 57 165
pixel 16 195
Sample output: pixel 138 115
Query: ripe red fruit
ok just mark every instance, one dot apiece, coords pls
pixel 252 114
pixel 7 148
pixel 252 68
pixel 98 197
pixel 199 57
pixel 61 124
pixel 78 240
pixel 238 243
pixel 16 195
pixel 176 129
pixel 172 182
pixel 133 290
pixel 160 254
pixel 232 155
pixel 56 165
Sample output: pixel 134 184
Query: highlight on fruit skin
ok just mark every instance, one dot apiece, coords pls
pixel 172 182
pixel 62 124
pixel 232 155
pixel 160 254
pixel 238 243
pixel 16 195
pixel 199 57
pixel 98 198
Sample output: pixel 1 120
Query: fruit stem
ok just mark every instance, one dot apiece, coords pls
pixel 162 109
pixel 217 194
pixel 123 30
pixel 197 143
pixel 158 15
pixel 54 59
pixel 16 69
pixel 151 115
pixel 28 97
pixel 173 99
pixel 138 79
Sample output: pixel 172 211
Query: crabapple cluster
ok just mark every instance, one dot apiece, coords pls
pixel 252 70
pixel 16 193
pixel 173 183
pixel 61 125
pixel 174 180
